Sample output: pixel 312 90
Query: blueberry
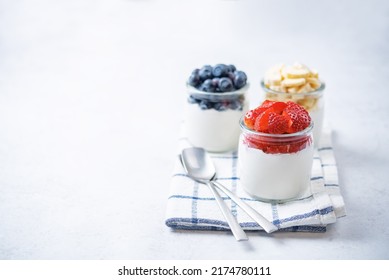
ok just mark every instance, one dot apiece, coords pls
pixel 220 70
pixel 231 75
pixel 194 79
pixel 225 84
pixel 231 68
pixel 220 106
pixel 196 71
pixel 207 86
pixel 236 105
pixel 215 82
pixel 205 72
pixel 193 100
pixel 205 104
pixel 240 79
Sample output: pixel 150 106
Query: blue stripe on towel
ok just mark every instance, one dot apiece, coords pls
pixel 178 196
pixel 324 148
pixel 304 229
pixel 194 201
pixel 233 178
pixel 215 225
pixel 204 223
pixel 195 197
pixel 331 185
pixel 274 211
pixel 322 212
pixel 219 178
pixel 180 174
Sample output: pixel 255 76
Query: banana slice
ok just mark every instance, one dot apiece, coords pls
pixel 273 79
pixel 314 74
pixel 295 73
pixel 308 103
pixel 305 88
pixel 284 72
pixel 292 90
pixel 298 65
pixel 297 98
pixel 315 83
pixel 275 88
pixel 293 82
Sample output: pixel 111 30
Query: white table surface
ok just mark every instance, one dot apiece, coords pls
pixel 92 95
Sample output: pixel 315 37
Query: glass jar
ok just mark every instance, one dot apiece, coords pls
pixel 312 101
pixel 275 167
pixel 212 119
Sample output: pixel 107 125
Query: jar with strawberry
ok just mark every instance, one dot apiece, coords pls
pixel 276 151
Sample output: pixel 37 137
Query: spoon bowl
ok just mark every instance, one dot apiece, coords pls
pixel 198 164
pixel 200 167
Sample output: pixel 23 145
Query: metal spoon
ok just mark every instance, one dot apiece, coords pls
pixel 200 167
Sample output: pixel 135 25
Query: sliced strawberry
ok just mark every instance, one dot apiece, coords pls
pixel 262 121
pixel 279 107
pixel 267 104
pixel 277 124
pixel 299 117
pixel 250 117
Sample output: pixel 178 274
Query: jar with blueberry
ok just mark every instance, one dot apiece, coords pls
pixel 216 102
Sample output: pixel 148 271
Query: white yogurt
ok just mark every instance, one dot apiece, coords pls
pixel 215 131
pixel 275 176
pixel 212 129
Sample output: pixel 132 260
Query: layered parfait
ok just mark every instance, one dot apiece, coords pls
pixel 216 102
pixel 300 84
pixel 276 151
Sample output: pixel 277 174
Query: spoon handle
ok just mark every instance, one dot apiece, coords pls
pixel 237 231
pixel 261 220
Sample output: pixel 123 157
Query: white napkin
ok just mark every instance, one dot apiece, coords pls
pixel 191 205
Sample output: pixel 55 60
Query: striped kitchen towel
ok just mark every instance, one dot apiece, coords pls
pixel 191 205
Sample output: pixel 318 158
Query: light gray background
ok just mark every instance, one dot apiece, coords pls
pixel 91 99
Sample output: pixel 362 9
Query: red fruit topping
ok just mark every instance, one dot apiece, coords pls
pixel 278 124
pixel 252 115
pixel 278 118
pixel 267 104
pixel 278 107
pixel 299 117
pixel 249 118
pixel 262 121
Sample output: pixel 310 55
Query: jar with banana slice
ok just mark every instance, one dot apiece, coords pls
pixel 299 84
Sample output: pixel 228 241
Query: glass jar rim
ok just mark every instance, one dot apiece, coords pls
pixel 317 91
pixel 276 136
pixel 196 92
